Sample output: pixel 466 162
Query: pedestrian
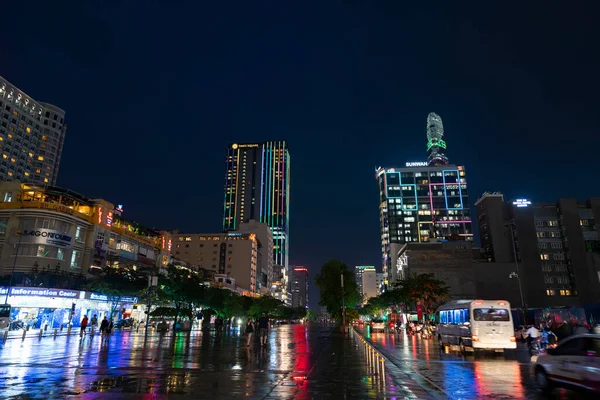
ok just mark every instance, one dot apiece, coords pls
pixel 109 328
pixel 94 323
pixel 249 332
pixel 263 326
pixel 103 325
pixel 84 324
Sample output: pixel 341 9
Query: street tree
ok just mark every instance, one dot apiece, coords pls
pixel 116 283
pixel 424 289
pixel 329 283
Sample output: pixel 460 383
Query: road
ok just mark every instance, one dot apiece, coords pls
pixel 448 374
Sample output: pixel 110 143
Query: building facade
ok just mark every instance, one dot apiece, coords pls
pixel 234 254
pixel 265 244
pixel 257 187
pixel 44 228
pixel 300 287
pixel 554 247
pixel 423 201
pixel 32 135
pixel 369 284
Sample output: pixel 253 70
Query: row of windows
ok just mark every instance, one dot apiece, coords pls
pixel 559 279
pixel 46 251
pixel 544 223
pixel 454 316
pixel 553 245
pixel 555 256
pixel 552 234
pixel 562 292
pixel 557 268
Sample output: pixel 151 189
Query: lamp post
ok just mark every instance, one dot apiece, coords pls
pixel 12 273
pixel 343 306
pixel 152 283
pixel 516 274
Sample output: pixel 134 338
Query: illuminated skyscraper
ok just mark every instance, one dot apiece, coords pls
pixel 435 142
pixel 422 202
pixel 257 187
pixel 300 287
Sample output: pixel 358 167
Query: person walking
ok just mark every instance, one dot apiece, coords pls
pixel 103 326
pixel 249 332
pixel 263 326
pixel 84 324
pixel 94 323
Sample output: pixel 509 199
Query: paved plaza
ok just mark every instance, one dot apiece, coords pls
pixel 300 362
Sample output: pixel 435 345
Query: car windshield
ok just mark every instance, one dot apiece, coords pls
pixel 491 314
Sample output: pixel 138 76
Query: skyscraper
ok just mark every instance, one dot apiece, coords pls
pixel 257 186
pixel 359 271
pixel 424 201
pixel 300 287
pixel 32 135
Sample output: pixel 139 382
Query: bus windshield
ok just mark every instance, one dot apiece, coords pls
pixel 491 314
pixel 4 310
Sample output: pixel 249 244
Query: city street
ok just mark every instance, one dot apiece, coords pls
pixel 451 375
pixel 299 362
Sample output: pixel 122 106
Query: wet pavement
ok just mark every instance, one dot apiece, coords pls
pixel 300 362
pixel 448 374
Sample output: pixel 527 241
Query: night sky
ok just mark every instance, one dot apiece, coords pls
pixel 154 91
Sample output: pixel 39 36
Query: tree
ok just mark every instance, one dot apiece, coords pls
pixel 329 283
pixel 183 288
pixel 424 289
pixel 264 304
pixel 116 283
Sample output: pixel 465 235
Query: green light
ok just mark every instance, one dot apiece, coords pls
pixel 438 142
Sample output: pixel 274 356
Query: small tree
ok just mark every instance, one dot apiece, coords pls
pixel 329 283
pixel 116 283
pixel 424 289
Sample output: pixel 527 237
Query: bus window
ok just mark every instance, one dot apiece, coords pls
pixel 443 317
pixel 4 310
pixel 466 316
pixel 491 314
pixel 457 317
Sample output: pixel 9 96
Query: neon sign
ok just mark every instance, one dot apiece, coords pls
pixel 119 208
pixel 436 142
pixel 521 203
pixel 417 164
pixel 109 218
pixel 100 215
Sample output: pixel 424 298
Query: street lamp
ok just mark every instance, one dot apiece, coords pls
pixel 152 284
pixel 12 273
pixel 343 306
pixel 515 274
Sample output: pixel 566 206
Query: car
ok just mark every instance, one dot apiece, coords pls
pixel 573 364
pixel 377 325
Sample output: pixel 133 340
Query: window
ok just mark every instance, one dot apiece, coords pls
pixel 539 223
pixel 544 256
pixel 541 234
pixel 558 256
pixel 570 347
pixel 546 268
pixel 79 234
pixel 3 225
pixel 550 292
pixel 40 158
pixel 584 222
pixel 491 314
pixel 75 259
pixel 556 245
pixel 42 252
pixel 548 279
pixel 552 223
pixel 543 245
pixel 60 254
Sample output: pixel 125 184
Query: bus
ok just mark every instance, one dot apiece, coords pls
pixel 476 325
pixel 4 317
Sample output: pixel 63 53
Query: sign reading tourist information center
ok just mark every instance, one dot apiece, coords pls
pixel 45 236
pixel 39 292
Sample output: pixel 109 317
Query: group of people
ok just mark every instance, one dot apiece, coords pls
pixel 106 326
pixel 262 326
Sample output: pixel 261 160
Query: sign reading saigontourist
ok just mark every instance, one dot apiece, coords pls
pixel 40 292
pixel 44 236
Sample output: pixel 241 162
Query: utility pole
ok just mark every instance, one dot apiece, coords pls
pixel 12 273
pixel 343 306
pixel 517 274
pixel 152 283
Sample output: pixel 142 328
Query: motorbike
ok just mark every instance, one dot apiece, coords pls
pixel 534 346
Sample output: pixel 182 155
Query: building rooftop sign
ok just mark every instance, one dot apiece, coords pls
pixel 417 164
pixel 521 203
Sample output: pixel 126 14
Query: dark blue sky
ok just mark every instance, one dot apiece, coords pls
pixel 154 91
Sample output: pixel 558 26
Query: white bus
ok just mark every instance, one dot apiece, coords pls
pixel 476 325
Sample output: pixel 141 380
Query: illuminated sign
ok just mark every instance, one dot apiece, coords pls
pixel 436 142
pixel 103 297
pixel 119 208
pixel 300 269
pixel 57 207
pixel 169 245
pixel 521 203
pixel 45 236
pixel 163 242
pixel 100 215
pixel 38 292
pixel 417 164
pixel 248 145
pixel 109 218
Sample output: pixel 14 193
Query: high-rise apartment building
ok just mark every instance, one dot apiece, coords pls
pixel 32 135
pixel 264 274
pixel 359 270
pixel 257 187
pixel 423 201
pixel 369 284
pixel 300 287
pixel 553 249
pixel 234 254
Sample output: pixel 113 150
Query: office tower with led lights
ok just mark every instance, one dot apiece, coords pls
pixel 257 187
pixel 300 287
pixel 32 135
pixel 423 201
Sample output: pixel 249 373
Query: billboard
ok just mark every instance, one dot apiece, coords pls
pixel 43 236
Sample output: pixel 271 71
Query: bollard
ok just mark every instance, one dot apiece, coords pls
pixel 24 333
pixel 55 332
pixel 382 369
pixel 69 331
pixel 5 336
pixel 61 327
pixel 41 333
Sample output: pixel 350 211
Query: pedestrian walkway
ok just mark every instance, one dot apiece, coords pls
pixel 299 362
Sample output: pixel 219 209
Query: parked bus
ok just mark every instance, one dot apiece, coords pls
pixel 4 317
pixel 476 325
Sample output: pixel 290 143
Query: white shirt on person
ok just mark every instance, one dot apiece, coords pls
pixel 533 332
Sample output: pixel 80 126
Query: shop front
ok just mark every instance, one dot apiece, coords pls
pixel 43 308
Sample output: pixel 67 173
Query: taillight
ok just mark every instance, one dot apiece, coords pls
pixel 513 339
pixel 475 338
